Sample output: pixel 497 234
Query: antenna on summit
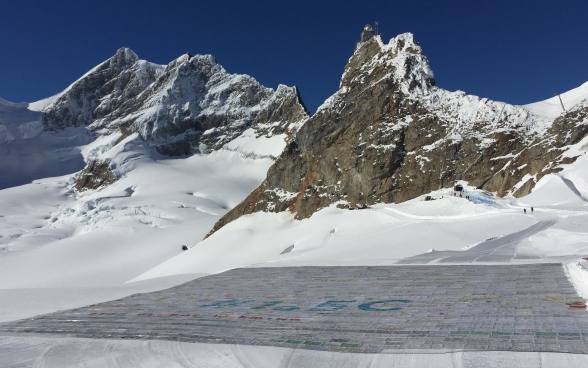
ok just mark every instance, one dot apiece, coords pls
pixel 561 102
pixel 377 28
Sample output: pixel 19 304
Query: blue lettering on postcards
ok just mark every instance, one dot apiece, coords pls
pixel 332 305
pixel 328 306
pixel 266 305
pixel 226 303
pixel 371 305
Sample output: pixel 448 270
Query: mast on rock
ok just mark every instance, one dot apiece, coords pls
pixel 561 102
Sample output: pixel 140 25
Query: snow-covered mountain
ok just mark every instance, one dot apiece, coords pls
pixel 100 91
pixel 389 135
pixel 192 105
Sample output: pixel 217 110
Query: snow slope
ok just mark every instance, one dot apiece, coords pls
pixel 51 239
pixel 42 104
pixel 551 108
pixel 333 237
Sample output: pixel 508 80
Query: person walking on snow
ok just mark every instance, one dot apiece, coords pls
pixel 525 210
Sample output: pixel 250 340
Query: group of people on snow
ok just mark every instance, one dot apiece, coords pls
pixel 461 196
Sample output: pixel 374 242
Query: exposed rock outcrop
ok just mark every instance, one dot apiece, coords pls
pixel 191 105
pixel 95 175
pixel 389 135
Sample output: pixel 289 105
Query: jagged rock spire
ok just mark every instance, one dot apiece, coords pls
pixel 390 135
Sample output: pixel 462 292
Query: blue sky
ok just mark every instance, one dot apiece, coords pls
pixel 514 51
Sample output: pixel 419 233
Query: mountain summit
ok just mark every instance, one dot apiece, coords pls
pixel 191 105
pixel 389 135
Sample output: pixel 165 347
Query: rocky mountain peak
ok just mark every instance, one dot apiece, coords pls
pixel 100 91
pixel 204 63
pixel 389 135
pixel 190 105
pixel 400 62
pixel 124 58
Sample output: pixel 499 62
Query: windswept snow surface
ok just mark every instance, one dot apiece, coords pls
pixel 106 238
pixel 382 235
pixel 70 352
pixel 249 144
pixel 42 104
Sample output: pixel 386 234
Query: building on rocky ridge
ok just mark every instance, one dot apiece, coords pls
pixel 367 33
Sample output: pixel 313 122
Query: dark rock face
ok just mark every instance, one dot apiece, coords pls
pixel 101 91
pixel 389 135
pixel 191 105
pixel 95 175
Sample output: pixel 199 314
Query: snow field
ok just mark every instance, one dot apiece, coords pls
pixel 248 144
pixel 111 235
pixel 71 352
pixel 334 237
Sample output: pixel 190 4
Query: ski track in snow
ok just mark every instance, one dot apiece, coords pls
pixel 570 184
pixel 497 250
